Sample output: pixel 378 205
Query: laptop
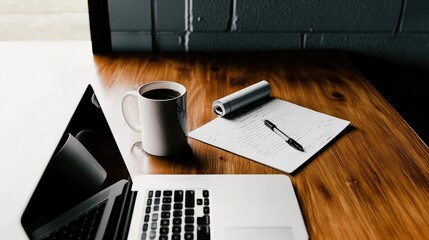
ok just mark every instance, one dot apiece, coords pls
pixel 93 196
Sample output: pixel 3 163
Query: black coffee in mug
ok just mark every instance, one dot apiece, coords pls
pixel 161 94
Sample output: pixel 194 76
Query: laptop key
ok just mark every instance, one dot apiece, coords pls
pixel 165 222
pixel 178 196
pixel 152 234
pixel 153 226
pixel 189 219
pixel 206 210
pixel 203 233
pixel 204 220
pixel 189 228
pixel 166 207
pixel 177 229
pixel 189 212
pixel 177 221
pixel 177 213
pixel 206 193
pixel 168 193
pixel 163 230
pixel 175 237
pixel 189 236
pixel 190 199
pixel 163 237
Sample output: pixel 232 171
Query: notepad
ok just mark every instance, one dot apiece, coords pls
pixel 242 130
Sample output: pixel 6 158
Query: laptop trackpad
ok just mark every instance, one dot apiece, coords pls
pixel 257 233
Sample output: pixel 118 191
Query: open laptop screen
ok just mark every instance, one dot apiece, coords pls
pixel 85 161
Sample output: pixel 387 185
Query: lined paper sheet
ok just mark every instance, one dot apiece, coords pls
pixel 247 136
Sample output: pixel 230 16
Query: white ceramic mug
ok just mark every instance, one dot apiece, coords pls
pixel 162 112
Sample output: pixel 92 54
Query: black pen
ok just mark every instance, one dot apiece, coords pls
pixel 289 140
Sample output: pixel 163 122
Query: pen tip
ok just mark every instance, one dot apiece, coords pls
pixel 294 144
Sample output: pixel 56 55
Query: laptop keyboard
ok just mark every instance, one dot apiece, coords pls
pixel 82 227
pixel 177 215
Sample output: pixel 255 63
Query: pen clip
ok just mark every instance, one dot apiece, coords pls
pixel 269 124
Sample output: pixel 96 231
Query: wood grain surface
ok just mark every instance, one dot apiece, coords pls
pixel 371 182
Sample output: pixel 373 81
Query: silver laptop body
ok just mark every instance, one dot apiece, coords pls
pixel 230 207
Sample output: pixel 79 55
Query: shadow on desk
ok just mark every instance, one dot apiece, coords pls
pixel 184 161
pixel 403 86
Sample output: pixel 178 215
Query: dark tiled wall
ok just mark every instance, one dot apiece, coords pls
pixel 393 29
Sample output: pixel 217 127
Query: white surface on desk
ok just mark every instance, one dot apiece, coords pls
pixel 247 135
pixel 32 121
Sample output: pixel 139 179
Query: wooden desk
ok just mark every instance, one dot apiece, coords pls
pixel 372 182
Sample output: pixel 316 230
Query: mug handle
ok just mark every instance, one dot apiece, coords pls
pixel 126 111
